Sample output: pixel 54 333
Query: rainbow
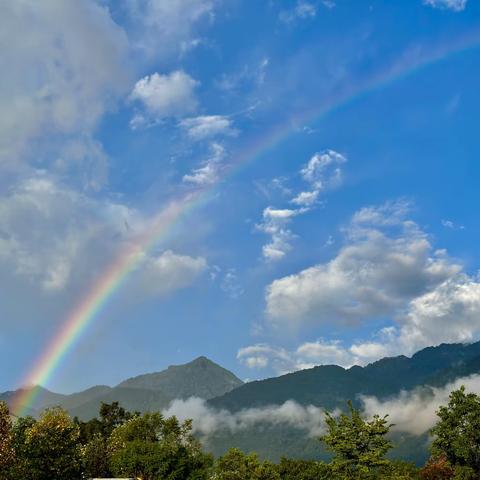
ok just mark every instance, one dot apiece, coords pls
pixel 90 307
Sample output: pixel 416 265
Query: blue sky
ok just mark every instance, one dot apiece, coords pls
pixel 336 146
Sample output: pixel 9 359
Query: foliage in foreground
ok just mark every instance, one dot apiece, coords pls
pixel 152 447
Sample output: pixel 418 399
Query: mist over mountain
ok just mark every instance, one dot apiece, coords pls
pixel 284 415
pixel 331 386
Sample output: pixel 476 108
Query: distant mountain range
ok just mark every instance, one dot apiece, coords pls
pixel 327 386
pixel 151 392
pixel 331 386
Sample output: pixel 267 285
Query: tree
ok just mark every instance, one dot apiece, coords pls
pixel 292 469
pixel 236 465
pixel 359 446
pixel 19 471
pixel 96 458
pixel 94 436
pixel 151 446
pixel 7 452
pixel 457 432
pixel 51 447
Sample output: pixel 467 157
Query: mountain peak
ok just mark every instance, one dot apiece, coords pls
pixel 201 378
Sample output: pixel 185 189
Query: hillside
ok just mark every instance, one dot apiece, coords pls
pixel 199 378
pixel 153 391
pixel 327 386
pixel 331 386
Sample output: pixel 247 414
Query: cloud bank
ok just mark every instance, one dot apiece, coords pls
pixel 414 412
pixel 207 420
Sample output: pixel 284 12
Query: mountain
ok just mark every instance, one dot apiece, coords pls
pixel 132 399
pixel 41 398
pixel 327 386
pixel 199 378
pixel 150 392
pixel 331 386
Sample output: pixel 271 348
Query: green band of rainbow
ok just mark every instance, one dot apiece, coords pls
pixel 113 277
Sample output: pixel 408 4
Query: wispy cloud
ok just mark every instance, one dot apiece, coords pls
pixel 208 173
pixel 207 126
pixel 455 5
pixel 323 172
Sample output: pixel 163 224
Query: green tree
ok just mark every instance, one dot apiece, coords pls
pixel 236 465
pixel 153 447
pixel 359 446
pixel 7 452
pixel 94 436
pixel 19 471
pixel 51 448
pixel 96 458
pixel 292 469
pixel 457 432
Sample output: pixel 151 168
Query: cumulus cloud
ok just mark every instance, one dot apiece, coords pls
pixel 58 239
pixel 455 5
pixel 323 172
pixel 164 28
pixel 323 169
pixel 208 173
pixel 306 355
pixel 207 126
pixel 161 274
pixel 207 420
pixel 59 76
pixel 164 96
pixel 263 355
pixel 376 273
pixel 415 412
pixel 387 269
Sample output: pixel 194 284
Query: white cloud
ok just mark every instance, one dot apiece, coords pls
pixel 322 352
pixel 230 284
pixel 210 170
pixel 164 96
pixel 374 275
pixel 451 225
pixel 161 274
pixel 207 420
pixel 59 76
pixel 250 75
pixel 455 5
pixel 302 10
pixel 263 355
pixel 415 412
pixel 59 240
pixel 306 199
pixel 275 223
pixel 412 412
pixel 207 126
pixel 323 170
pixel 161 29
pixel 388 269
pixel 306 355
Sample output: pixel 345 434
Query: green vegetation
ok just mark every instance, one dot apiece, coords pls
pixel 150 446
